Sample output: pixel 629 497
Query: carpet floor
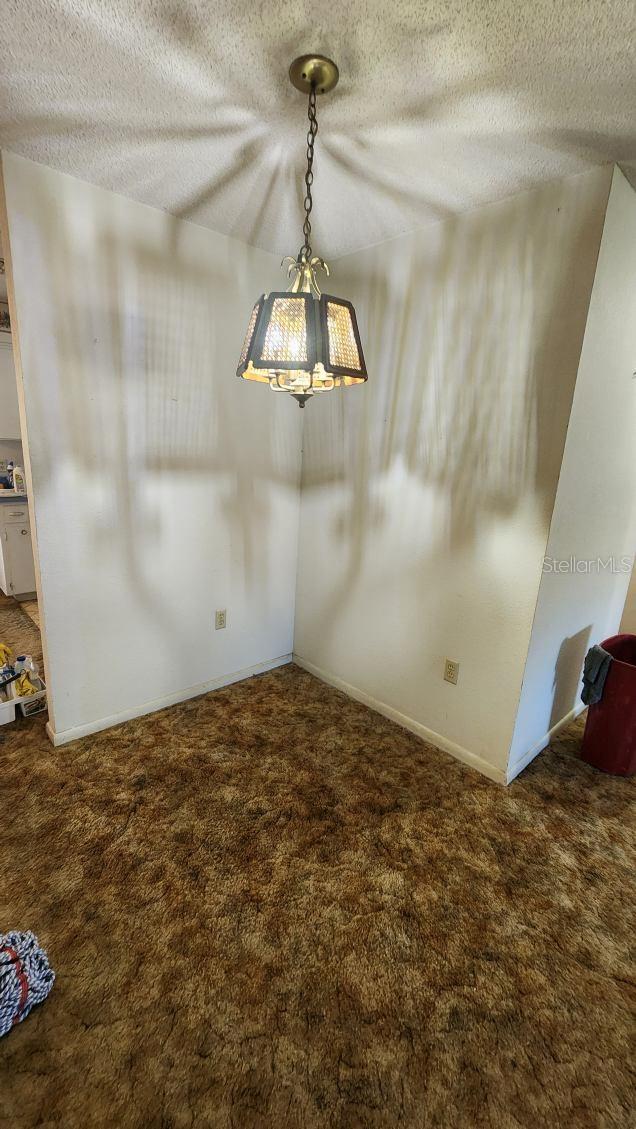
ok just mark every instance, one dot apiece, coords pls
pixel 270 908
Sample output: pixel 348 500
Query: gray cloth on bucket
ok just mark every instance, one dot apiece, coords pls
pixel 595 671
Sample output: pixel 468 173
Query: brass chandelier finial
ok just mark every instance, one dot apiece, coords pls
pixel 301 341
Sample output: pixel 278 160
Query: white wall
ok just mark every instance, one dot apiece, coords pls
pixel 162 486
pixel 595 508
pixel 628 622
pixel 427 493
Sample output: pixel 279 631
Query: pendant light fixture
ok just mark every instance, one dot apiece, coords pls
pixel 299 340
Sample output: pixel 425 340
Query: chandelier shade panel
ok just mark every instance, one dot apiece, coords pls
pixel 343 348
pixel 299 340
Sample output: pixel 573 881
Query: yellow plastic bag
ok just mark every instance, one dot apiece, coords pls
pixel 24 686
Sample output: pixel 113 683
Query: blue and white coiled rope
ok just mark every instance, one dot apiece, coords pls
pixel 26 977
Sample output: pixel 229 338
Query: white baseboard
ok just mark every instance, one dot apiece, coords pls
pixel 78 731
pixel 522 762
pixel 457 751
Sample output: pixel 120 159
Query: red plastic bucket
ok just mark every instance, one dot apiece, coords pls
pixel 609 742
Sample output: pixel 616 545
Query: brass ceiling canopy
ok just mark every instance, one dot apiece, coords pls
pixel 299 340
pixel 313 70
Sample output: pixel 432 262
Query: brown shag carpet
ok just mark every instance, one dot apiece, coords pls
pixel 270 908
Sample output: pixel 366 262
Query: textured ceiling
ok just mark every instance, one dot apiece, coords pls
pixel 441 106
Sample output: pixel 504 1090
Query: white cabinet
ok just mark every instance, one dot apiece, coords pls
pixel 17 570
pixel 9 415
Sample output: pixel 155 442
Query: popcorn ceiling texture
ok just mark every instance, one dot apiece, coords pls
pixel 441 107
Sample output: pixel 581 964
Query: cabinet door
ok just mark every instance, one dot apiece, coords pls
pixel 18 554
pixel 9 416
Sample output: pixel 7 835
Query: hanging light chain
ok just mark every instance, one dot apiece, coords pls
pixel 305 250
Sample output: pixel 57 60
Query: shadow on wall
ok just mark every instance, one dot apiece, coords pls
pixel 567 674
pixel 434 482
pixel 472 332
pixel 136 382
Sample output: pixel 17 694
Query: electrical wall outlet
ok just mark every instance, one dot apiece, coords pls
pixel 451 671
pixel 220 620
